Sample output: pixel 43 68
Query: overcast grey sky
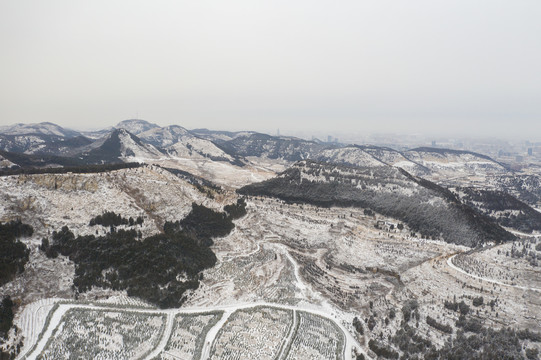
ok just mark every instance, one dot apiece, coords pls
pixel 435 66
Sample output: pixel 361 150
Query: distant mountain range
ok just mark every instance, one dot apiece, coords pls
pixel 44 128
pixel 140 140
pixel 129 140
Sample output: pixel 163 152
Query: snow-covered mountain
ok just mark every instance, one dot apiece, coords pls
pixel 436 164
pixel 220 135
pixel 42 144
pixel 6 164
pixel 164 136
pixel 395 158
pixel 356 155
pixel 98 133
pixel 426 207
pixel 447 163
pixel 43 139
pixel 44 128
pixel 141 139
pixel 120 144
pixel 351 155
pixel 526 187
pixel 274 147
pixel 136 126
pixel 191 146
pixel 179 142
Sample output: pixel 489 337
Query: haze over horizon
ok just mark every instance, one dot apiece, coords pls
pixel 429 67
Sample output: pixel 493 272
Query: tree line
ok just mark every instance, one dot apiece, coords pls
pixel 79 169
pixel 110 218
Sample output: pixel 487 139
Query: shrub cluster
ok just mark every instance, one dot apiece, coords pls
pixel 109 218
pixel 13 253
pixel 6 316
pixel 436 325
pixel 382 350
pixel 461 307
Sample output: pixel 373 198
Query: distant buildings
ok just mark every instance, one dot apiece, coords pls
pixel 330 139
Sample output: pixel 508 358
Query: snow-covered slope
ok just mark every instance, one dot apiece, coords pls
pixel 136 126
pixel 43 139
pixel 395 158
pixel 274 147
pixel 97 133
pixel 164 136
pixel 121 145
pixel 5 163
pixel 526 187
pixel 351 155
pixel 220 136
pixel 179 142
pixel 44 128
pixel 191 146
pixel 42 144
pixel 364 156
pixel 446 163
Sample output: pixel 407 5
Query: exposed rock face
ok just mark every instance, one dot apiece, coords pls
pixel 66 182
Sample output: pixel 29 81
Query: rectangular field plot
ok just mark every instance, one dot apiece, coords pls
pixel 255 333
pixel 103 334
pixel 316 338
pixel 188 335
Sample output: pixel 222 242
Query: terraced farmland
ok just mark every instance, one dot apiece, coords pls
pixel 256 333
pixel 188 335
pixel 316 338
pixel 266 331
pixel 86 333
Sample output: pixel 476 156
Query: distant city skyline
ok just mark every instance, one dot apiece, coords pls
pixel 435 68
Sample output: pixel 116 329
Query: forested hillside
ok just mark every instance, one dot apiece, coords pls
pixel 428 209
pixel 503 208
pixel 159 268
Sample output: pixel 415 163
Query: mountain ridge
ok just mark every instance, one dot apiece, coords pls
pixel 427 208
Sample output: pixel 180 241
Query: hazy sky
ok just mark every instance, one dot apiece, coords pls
pixel 434 66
